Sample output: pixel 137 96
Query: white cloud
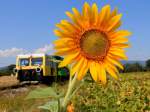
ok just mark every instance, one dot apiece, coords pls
pixel 7 56
pixel 46 49
pixel 11 52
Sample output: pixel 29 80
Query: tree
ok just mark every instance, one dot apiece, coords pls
pixel 148 64
pixel 135 67
pixel 7 70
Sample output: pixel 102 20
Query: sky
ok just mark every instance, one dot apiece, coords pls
pixel 26 26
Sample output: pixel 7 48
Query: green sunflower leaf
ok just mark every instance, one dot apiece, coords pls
pixel 47 92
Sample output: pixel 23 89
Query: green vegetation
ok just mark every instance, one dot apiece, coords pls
pixel 135 67
pixel 131 94
pixel 7 70
pixel 148 65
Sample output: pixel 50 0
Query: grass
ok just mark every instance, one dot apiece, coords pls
pixel 131 94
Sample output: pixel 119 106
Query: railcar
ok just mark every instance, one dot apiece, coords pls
pixel 39 67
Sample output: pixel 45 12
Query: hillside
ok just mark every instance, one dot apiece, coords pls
pixel 134 61
pixel 7 70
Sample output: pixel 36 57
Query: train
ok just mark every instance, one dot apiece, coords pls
pixel 39 67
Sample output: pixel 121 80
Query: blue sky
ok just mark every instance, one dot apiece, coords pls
pixel 27 25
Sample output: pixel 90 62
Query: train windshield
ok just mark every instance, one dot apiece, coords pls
pixel 37 61
pixel 24 62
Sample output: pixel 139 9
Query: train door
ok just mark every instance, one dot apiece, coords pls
pixel 53 67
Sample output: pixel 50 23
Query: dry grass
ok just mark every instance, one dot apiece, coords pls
pixel 7 81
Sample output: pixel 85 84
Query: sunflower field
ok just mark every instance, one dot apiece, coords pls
pixel 131 94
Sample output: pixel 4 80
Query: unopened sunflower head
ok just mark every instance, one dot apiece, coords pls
pixel 90 40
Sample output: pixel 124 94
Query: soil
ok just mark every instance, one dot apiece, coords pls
pixel 10 85
pixel 8 81
pixel 13 93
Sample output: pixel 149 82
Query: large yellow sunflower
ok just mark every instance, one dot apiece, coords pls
pixel 91 41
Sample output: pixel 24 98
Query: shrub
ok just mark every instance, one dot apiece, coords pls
pixel 135 67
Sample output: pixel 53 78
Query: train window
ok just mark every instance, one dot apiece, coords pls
pixel 57 57
pixel 37 61
pixel 24 62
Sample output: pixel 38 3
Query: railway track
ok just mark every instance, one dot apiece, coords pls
pixel 9 82
pixel 18 85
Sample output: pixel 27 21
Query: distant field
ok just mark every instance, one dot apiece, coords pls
pixel 131 94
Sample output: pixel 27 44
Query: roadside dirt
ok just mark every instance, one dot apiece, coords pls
pixel 11 82
pixel 8 81
pixel 10 85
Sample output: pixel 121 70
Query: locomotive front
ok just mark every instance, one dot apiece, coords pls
pixel 29 67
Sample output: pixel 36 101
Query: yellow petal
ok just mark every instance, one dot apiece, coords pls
pixel 76 67
pixel 83 70
pixel 65 47
pixel 76 13
pixel 101 73
pixel 119 40
pixel 121 55
pixel 77 17
pixel 94 14
pixel 68 59
pixel 62 34
pixel 86 14
pixel 64 29
pixel 117 55
pixel 117 25
pixel 70 15
pixel 113 22
pixel 93 71
pixel 114 12
pixel 73 18
pixel 70 26
pixel 103 14
pixel 107 13
pixel 60 46
pixel 58 33
pixel 120 33
pixel 111 72
pixel 113 61
pixel 107 64
pixel 120 45
pixel 64 51
pixel 116 51
pixel 86 10
pixel 64 42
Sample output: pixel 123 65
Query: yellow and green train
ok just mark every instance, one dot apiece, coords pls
pixel 39 67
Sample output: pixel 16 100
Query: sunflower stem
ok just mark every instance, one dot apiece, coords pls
pixel 69 93
pixel 70 79
pixel 75 90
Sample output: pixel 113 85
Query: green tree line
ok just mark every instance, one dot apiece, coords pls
pixel 136 67
pixel 7 70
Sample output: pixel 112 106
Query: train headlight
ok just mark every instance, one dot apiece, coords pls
pixel 15 70
pixel 38 69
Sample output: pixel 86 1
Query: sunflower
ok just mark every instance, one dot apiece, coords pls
pixel 91 41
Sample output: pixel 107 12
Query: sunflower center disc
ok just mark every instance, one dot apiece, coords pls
pixel 94 43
